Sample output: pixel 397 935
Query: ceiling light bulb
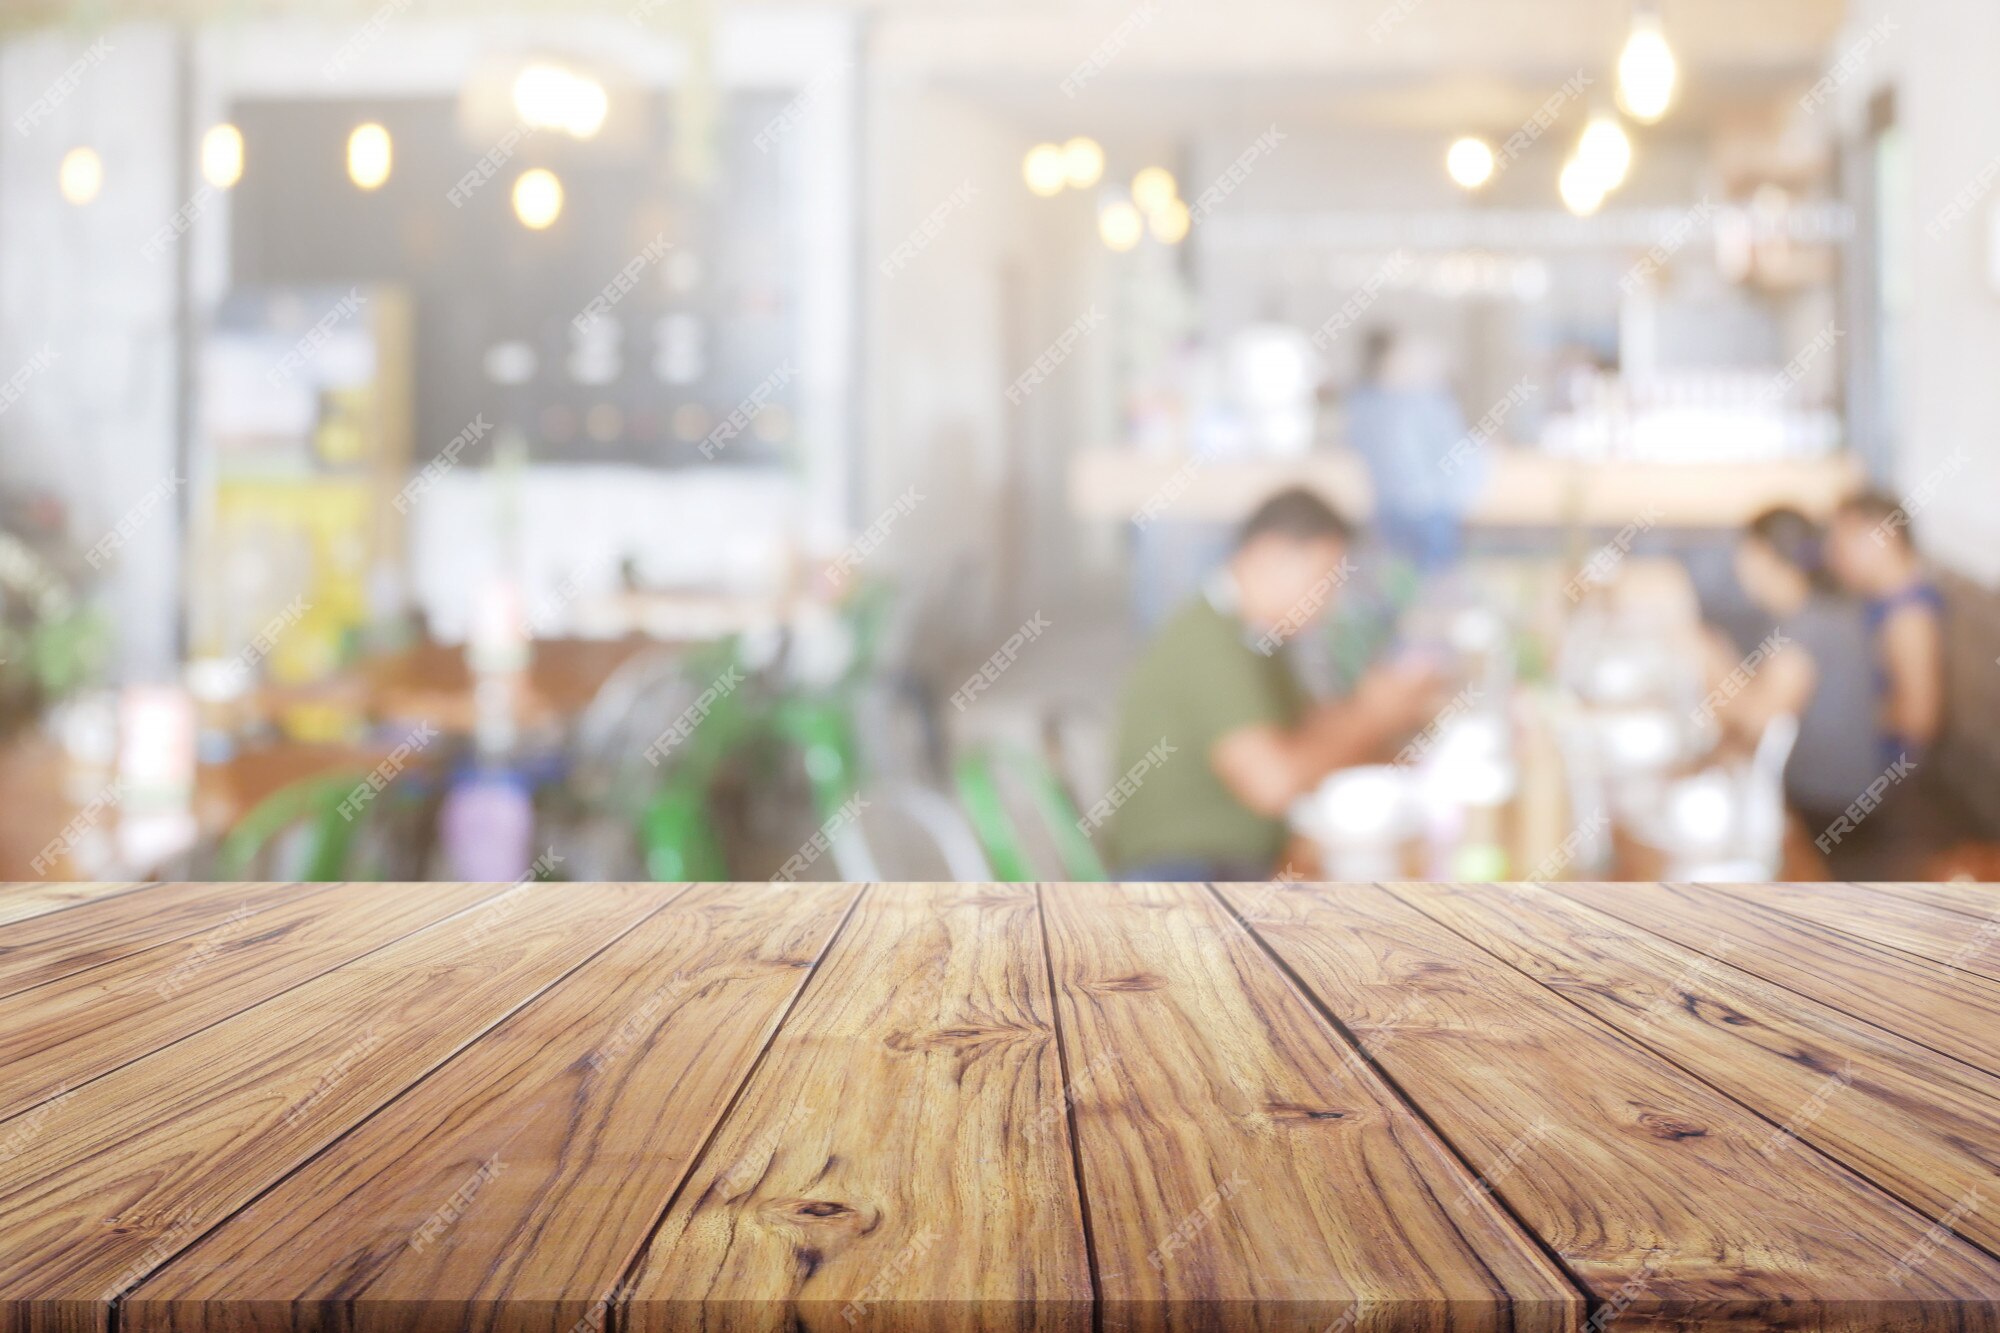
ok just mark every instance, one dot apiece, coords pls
pixel 549 97
pixel 1154 188
pixel 222 156
pixel 1647 71
pixel 538 199
pixel 82 175
pixel 1120 225
pixel 541 96
pixel 1043 169
pixel 587 108
pixel 1582 192
pixel 1607 150
pixel 1083 162
pixel 370 156
pixel 1470 163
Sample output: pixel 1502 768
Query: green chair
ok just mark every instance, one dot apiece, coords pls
pixel 765 714
pixel 983 776
pixel 309 809
pixel 675 826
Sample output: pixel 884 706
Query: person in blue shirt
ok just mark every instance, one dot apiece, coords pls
pixel 1425 469
pixel 1870 550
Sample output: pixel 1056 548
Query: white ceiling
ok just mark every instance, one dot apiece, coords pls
pixel 1422 64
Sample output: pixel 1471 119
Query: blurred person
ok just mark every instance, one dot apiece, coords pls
pixel 1408 429
pixel 1802 653
pixel 1216 738
pixel 1870 550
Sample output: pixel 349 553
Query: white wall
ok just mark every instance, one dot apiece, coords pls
pixel 97 428
pixel 1939 59
pixel 1002 275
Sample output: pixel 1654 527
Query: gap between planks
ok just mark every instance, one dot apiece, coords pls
pixel 114 1318
pixel 191 1034
pixel 1342 1033
pixel 1069 1115
pixel 1750 930
pixel 615 1316
pixel 1416 902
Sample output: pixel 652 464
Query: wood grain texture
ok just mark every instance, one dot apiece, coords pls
pixel 136 1165
pixel 512 1189
pixel 18 902
pixel 1865 912
pixel 1926 1129
pixel 888 1165
pixel 576 1108
pixel 45 948
pixel 1244 1169
pixel 1650 1185
pixel 60 1035
pixel 1975 900
pixel 1949 1010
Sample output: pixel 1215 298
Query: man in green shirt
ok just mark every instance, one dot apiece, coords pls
pixel 1216 738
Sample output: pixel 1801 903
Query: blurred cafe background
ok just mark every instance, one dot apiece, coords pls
pixel 709 439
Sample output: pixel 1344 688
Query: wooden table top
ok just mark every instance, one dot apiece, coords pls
pixel 1303 1107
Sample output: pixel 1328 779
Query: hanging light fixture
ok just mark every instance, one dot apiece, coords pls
pixel 550 97
pixel 370 156
pixel 1647 70
pixel 222 156
pixel 1470 162
pixel 1606 150
pixel 1582 192
pixel 538 199
pixel 1154 188
pixel 1083 162
pixel 1043 170
pixel 1120 225
pixel 81 176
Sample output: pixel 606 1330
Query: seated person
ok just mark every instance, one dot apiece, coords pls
pixel 1813 665
pixel 1871 552
pixel 1215 736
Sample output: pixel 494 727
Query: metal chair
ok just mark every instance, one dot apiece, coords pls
pixel 983 777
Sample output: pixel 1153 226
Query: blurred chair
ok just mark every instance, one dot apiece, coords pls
pixel 601 806
pixel 647 691
pixel 883 836
pixel 997 784
pixel 1763 836
pixel 1726 823
pixel 1587 786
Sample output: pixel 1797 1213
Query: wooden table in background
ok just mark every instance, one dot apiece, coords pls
pixel 37 804
pixel 1076 1107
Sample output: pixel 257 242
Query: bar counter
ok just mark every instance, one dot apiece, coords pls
pixel 1526 489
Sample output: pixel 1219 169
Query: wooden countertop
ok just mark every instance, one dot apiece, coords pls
pixel 1525 488
pixel 921 1107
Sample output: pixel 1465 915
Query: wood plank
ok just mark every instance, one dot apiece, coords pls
pixel 1976 900
pixel 65 1033
pixel 135 1166
pixel 1860 910
pixel 1649 1184
pixel 60 944
pixel 888 1166
pixel 1927 1129
pixel 1243 1167
pixel 513 1188
pixel 18 902
pixel 1954 1012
